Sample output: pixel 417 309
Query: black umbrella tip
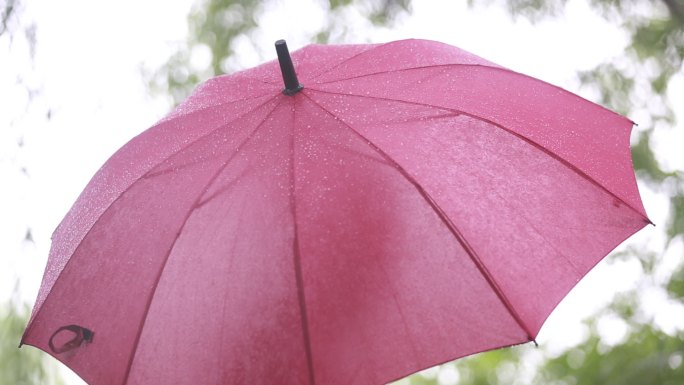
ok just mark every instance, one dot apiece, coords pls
pixel 292 85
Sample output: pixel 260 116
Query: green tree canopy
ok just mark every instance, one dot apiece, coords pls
pixel 25 366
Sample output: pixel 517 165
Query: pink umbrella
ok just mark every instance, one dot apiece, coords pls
pixel 410 204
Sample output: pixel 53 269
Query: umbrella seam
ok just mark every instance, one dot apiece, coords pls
pixel 447 65
pixel 172 117
pixel 270 83
pixel 231 257
pixel 449 224
pixel 209 183
pixel 569 261
pixel 400 310
pixel 301 298
pixel 345 61
pixel 299 278
pixel 520 136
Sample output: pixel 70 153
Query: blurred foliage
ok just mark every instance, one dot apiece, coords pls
pixel 534 10
pixel 607 76
pixel 648 356
pixel 676 285
pixel 493 367
pixel 676 226
pixel 21 366
pixel 648 165
pixel 213 24
pixel 217 24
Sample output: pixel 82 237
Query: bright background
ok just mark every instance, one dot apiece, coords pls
pixel 90 96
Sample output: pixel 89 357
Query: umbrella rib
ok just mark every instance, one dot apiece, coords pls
pixel 328 70
pixel 493 123
pixel 447 222
pixel 203 109
pixel 194 206
pixel 301 295
pixel 445 66
pixel 221 190
pixel 258 79
pixel 151 174
pixel 400 311
pixel 534 228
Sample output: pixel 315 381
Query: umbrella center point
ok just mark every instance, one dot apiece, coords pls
pixel 292 85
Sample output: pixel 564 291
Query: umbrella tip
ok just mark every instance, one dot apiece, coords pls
pixel 292 85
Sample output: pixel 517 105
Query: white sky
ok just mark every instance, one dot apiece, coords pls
pixel 87 66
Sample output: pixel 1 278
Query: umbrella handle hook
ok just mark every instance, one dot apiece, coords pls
pixel 81 335
pixel 292 85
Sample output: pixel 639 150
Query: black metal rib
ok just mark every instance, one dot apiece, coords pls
pixel 301 295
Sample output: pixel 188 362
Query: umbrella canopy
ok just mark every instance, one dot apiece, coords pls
pixel 394 207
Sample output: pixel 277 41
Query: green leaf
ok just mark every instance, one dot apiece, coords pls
pixel 676 225
pixel 676 285
pixel 645 161
pixel 26 365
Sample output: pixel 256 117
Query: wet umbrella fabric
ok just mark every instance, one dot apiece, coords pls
pixel 411 204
